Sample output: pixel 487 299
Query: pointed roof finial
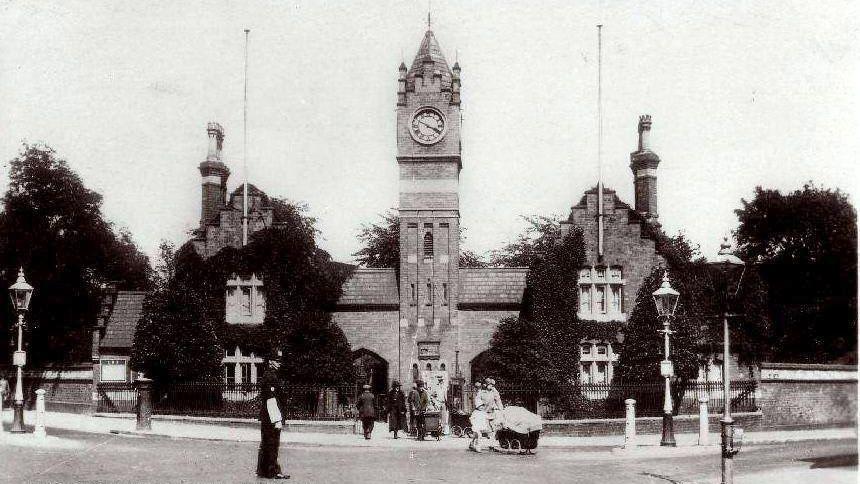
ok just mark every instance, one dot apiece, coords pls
pixel 429 8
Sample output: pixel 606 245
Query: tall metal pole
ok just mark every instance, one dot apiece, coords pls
pixel 245 151
pixel 726 423
pixel 599 140
pixel 668 437
pixel 18 407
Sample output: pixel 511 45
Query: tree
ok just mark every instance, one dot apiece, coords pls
pixel 541 346
pixel 177 339
pixel 382 245
pixel 302 285
pixel 805 243
pixel 697 323
pixel 540 234
pixel 52 226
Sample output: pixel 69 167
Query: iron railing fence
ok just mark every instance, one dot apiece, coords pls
pixel 240 400
pixel 606 400
pixel 315 402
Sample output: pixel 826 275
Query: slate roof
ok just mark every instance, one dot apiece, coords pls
pixel 370 287
pixel 429 50
pixel 122 323
pixel 492 285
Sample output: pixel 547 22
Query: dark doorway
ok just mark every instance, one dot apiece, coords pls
pixel 371 369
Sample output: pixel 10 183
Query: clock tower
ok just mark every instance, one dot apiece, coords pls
pixel 428 155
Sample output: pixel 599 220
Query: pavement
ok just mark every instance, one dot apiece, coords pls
pixel 647 444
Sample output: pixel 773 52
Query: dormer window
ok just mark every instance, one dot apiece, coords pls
pixel 244 301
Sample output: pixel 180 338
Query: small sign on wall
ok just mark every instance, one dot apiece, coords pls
pixel 428 350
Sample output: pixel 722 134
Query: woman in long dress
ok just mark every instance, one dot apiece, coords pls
pixel 396 409
pixel 478 419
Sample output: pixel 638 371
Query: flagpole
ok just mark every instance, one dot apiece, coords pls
pixel 245 151
pixel 600 227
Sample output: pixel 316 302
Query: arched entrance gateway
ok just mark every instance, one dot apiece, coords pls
pixel 371 369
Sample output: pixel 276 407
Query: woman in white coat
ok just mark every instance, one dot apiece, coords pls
pixel 478 419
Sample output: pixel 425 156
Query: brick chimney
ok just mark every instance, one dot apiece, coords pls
pixel 214 176
pixel 643 163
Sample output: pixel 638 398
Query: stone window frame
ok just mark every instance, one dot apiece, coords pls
pixel 605 281
pixel 233 298
pixel 237 358
pixel 593 359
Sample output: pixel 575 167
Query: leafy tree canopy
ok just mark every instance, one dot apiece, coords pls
pixel 541 346
pixel 52 226
pixel 301 283
pixel 540 235
pixel 382 245
pixel 805 243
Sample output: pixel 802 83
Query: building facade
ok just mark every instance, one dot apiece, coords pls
pixel 429 316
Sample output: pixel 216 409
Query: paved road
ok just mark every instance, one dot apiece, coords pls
pixel 112 458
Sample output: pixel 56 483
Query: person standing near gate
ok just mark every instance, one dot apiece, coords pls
pixel 271 423
pixel 420 409
pixel 366 411
pixel 412 402
pixel 396 408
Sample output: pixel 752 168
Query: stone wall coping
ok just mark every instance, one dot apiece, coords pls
pixel 645 419
pixel 807 366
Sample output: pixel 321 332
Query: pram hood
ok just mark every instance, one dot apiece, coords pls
pixel 520 420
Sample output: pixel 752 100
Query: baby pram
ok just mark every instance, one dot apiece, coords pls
pixel 433 424
pixel 460 424
pixel 518 430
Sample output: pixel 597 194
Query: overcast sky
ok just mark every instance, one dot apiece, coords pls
pixel 741 94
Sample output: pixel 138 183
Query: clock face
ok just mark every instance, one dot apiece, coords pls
pixel 427 125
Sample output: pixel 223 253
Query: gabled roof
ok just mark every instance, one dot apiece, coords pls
pixel 120 327
pixel 429 52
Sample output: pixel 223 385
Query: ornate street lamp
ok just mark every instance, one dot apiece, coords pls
pixel 666 301
pixel 730 269
pixel 20 292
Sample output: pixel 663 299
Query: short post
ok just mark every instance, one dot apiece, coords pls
pixel 3 390
pixel 144 403
pixel 630 424
pixel 703 420
pixel 39 431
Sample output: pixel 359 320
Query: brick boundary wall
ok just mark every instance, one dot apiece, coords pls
pixel 681 424
pixel 68 388
pixel 798 396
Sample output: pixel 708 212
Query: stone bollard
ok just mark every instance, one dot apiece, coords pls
pixel 40 414
pixel 144 403
pixel 630 424
pixel 703 420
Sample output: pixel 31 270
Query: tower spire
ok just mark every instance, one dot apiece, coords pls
pixel 429 8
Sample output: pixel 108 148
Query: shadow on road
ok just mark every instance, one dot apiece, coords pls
pixel 846 460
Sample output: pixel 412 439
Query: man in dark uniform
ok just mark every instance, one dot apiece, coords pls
pixel 271 422
pixel 366 411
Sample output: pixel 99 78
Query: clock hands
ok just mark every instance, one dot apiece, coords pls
pixel 437 130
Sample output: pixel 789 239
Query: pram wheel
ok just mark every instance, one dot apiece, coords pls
pixel 456 431
pixel 468 432
pixel 516 445
pixel 503 443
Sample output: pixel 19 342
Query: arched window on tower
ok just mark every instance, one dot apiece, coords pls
pixel 428 247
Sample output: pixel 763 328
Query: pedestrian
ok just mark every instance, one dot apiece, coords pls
pixel 366 411
pixel 412 402
pixel 492 405
pixel 4 393
pixel 421 409
pixel 396 408
pixel 271 423
pixel 478 418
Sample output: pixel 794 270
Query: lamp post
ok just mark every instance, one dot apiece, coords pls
pixel 727 265
pixel 666 300
pixel 20 292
